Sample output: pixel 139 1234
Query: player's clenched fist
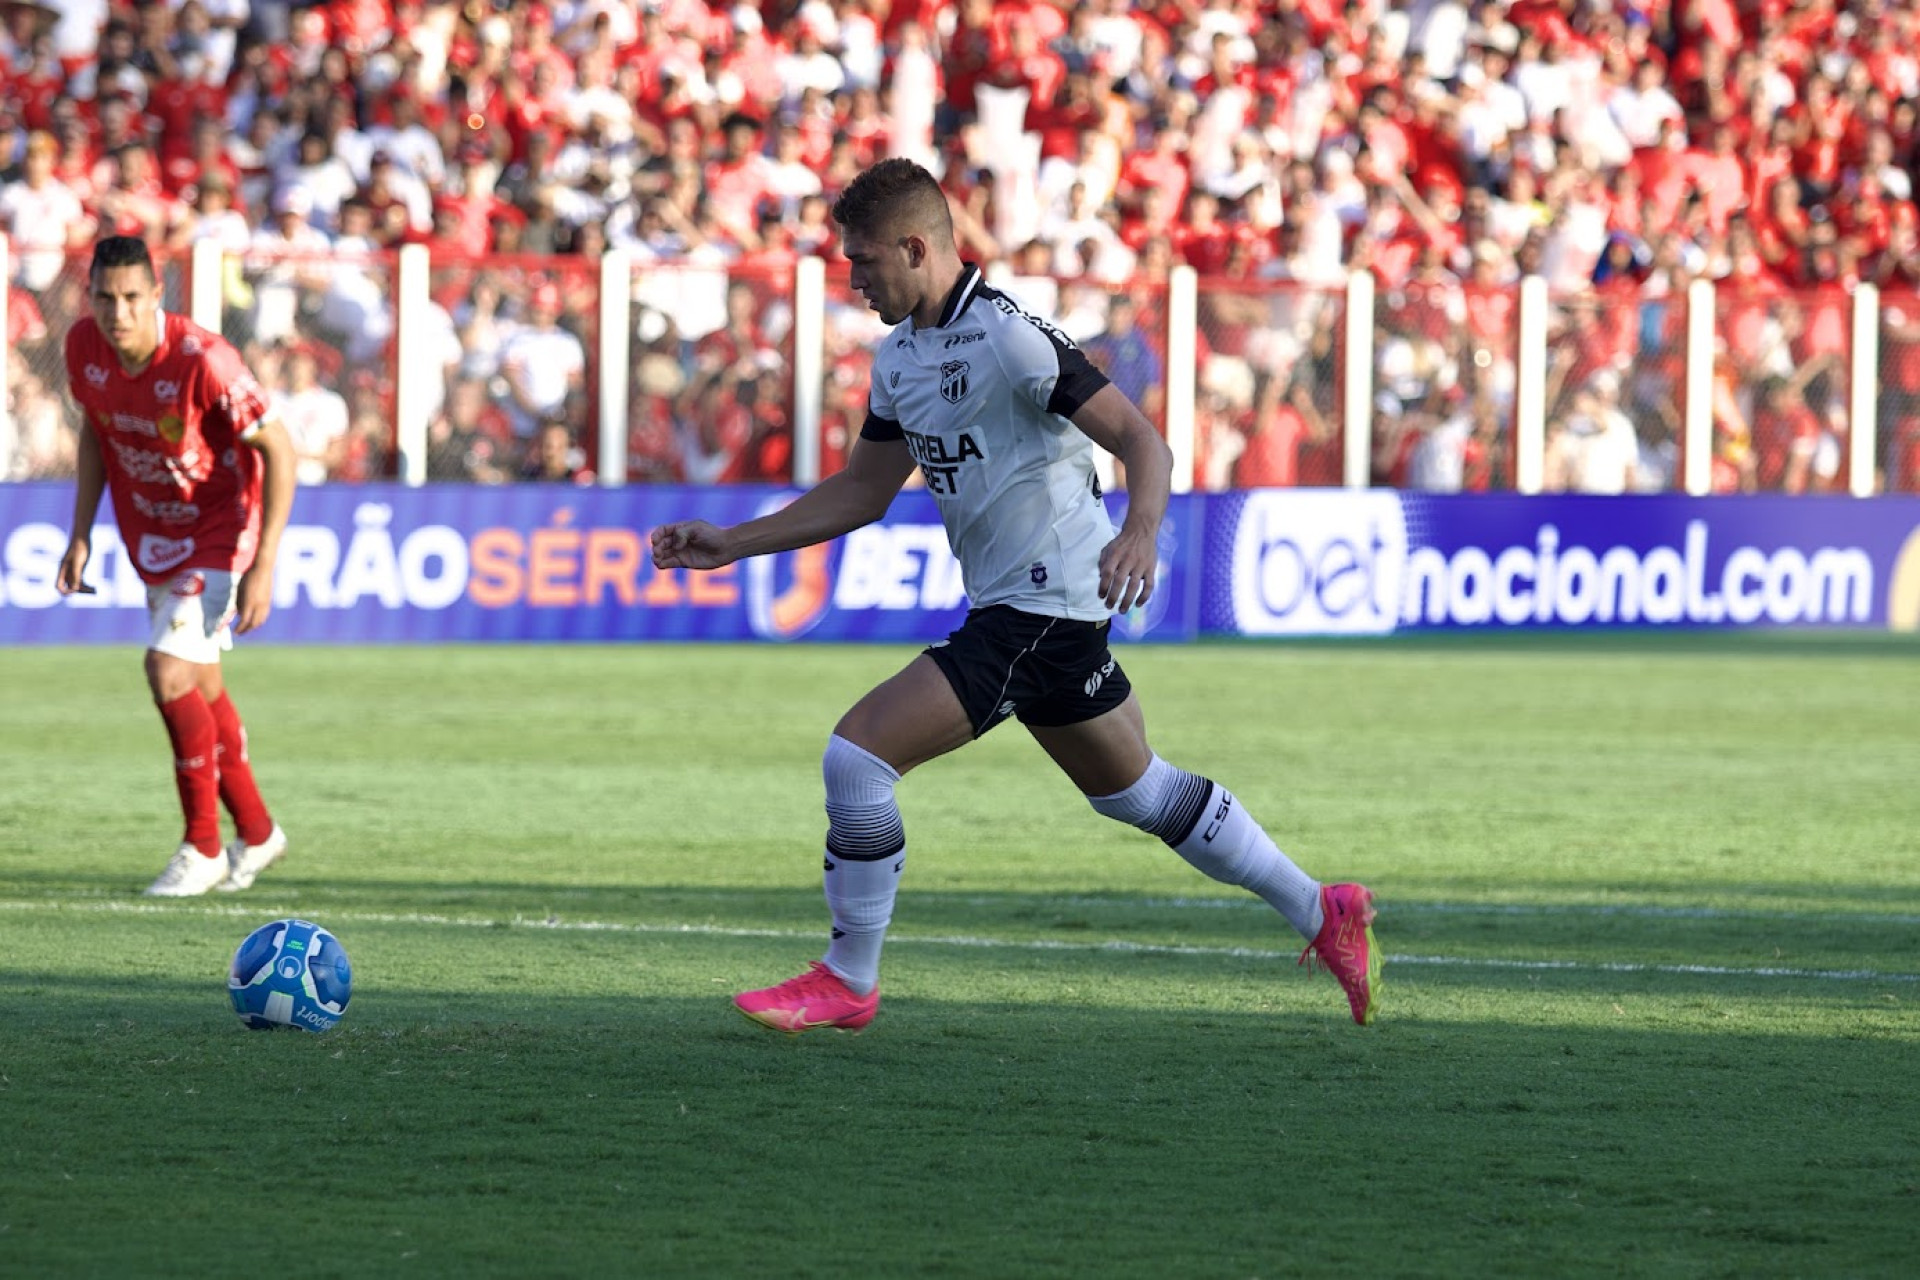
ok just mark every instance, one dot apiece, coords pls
pixel 689 544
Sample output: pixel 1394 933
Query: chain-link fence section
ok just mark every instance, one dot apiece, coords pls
pixel 1899 391
pixel 711 378
pixel 1780 392
pixel 1269 402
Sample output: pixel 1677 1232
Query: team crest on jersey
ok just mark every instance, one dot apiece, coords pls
pixel 1037 572
pixel 172 427
pixel 953 381
pixel 190 345
pixel 96 375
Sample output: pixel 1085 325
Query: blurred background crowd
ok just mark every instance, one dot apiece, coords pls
pixel 1620 149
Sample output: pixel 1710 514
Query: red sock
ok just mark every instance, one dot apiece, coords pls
pixel 190 726
pixel 237 789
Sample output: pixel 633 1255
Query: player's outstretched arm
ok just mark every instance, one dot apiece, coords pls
pixel 276 504
pixel 841 503
pixel 1128 563
pixel 90 472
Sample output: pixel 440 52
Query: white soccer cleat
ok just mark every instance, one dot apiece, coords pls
pixel 189 874
pixel 249 860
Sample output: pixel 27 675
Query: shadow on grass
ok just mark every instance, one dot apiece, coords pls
pixel 1010 1137
pixel 1818 930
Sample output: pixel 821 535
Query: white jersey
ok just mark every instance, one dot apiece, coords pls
pixel 982 400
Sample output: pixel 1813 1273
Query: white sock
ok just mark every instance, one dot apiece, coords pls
pixel 1207 825
pixel 866 851
pixel 860 895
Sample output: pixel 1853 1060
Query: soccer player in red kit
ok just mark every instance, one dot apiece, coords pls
pixel 202 481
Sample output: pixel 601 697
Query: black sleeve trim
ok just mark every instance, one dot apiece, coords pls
pixel 1078 382
pixel 879 428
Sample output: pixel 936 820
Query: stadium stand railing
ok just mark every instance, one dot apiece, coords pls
pixel 699 373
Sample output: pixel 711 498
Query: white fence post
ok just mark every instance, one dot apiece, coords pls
pixel 809 365
pixel 1863 417
pixel 6 348
pixel 1696 464
pixel 1183 348
pixel 411 395
pixel 616 364
pixel 1530 389
pixel 1357 391
pixel 206 297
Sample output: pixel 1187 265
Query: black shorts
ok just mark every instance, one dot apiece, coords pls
pixel 1047 671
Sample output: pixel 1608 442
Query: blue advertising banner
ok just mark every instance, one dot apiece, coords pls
pixel 1369 563
pixel 388 564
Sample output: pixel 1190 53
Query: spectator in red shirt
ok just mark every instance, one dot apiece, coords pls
pixel 1284 419
pixel 135 204
pixel 1785 434
pixel 1720 176
pixel 207 153
pixel 1153 184
pixel 1027 64
pixel 1784 233
pixel 473 205
pixel 1201 239
pixel 971 52
pixel 739 179
pixel 1061 122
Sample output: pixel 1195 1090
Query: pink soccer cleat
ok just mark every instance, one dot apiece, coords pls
pixel 817 998
pixel 1345 947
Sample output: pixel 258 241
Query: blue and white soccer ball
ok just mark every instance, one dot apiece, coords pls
pixel 291 973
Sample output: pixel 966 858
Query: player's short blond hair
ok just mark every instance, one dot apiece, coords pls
pixel 895 198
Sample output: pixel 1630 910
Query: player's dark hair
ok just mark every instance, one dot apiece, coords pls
pixel 121 251
pixel 895 197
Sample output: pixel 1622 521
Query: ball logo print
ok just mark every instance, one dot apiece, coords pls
pixel 290 973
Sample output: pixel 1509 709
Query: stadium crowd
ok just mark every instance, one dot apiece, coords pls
pixel 1618 148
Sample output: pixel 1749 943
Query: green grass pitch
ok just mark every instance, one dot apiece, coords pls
pixel 1651 908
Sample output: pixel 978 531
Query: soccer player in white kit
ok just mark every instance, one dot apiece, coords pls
pixel 1000 411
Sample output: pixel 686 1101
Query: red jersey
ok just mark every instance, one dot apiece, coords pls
pixel 185 490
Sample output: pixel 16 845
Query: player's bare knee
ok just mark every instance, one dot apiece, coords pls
pixel 168 677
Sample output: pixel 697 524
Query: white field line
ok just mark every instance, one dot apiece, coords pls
pixel 961 940
pixel 1252 906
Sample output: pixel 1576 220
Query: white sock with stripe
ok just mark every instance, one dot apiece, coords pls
pixel 866 851
pixel 1207 825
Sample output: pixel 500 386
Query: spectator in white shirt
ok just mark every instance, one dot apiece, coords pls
pixel 409 141
pixel 789 176
pixel 544 365
pixel 809 64
pixel 1642 103
pixel 1595 448
pixel 42 217
pixel 315 416
pixel 285 258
